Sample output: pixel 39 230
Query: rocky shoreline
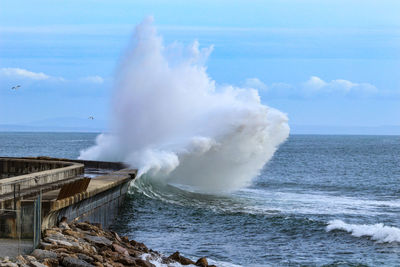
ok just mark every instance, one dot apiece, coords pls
pixel 86 245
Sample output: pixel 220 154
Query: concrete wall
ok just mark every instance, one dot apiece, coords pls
pixel 88 163
pixel 39 172
pixel 100 208
pixel 10 167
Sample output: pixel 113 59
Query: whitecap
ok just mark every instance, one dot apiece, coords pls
pixel 378 232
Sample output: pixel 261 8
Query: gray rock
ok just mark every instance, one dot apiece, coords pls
pixel 72 262
pixel 37 264
pixel 41 254
pixel 58 242
pixel 44 245
pixel 57 235
pixel 84 257
pixel 100 241
pixel 8 264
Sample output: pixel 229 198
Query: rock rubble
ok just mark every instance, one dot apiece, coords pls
pixel 87 245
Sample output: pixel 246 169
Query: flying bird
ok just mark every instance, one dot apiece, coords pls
pixel 15 87
pixel 91 118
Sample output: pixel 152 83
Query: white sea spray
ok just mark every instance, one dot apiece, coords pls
pixel 175 124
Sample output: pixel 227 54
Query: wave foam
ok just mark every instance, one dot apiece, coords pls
pixel 158 262
pixel 378 232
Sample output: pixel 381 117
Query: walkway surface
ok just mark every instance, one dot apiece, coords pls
pixel 12 247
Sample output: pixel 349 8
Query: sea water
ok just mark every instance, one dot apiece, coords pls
pixel 321 200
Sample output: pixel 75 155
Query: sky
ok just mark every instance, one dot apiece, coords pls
pixel 329 65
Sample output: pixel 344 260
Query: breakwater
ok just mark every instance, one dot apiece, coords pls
pixel 35 193
pixel 85 245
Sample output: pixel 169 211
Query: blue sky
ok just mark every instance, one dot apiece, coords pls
pixel 328 63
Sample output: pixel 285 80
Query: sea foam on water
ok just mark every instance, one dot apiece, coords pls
pixel 378 232
pixel 176 125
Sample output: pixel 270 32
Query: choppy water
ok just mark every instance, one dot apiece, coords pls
pixel 312 185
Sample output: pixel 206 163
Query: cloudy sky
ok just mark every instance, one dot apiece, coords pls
pixel 324 63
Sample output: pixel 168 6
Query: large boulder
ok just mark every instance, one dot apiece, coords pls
pixel 120 249
pixel 202 262
pixel 41 254
pixel 99 241
pixel 179 258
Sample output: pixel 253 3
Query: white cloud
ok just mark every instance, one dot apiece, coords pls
pixel 255 83
pixel 18 73
pixel 22 73
pixel 93 79
pixel 317 85
pixel 314 86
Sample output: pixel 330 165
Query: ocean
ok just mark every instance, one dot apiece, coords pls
pixel 321 201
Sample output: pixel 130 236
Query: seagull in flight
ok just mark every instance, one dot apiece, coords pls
pixel 91 118
pixel 15 87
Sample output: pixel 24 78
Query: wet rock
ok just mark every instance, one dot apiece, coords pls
pixel 135 253
pixel 125 239
pixel 143 263
pixel 126 260
pixel 73 262
pixel 179 258
pixel 86 245
pixel 202 262
pixel 139 246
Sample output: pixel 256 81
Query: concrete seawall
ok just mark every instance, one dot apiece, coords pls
pixel 97 204
pixel 35 193
pixel 27 174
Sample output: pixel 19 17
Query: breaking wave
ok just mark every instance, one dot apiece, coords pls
pixel 377 232
pixel 177 125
